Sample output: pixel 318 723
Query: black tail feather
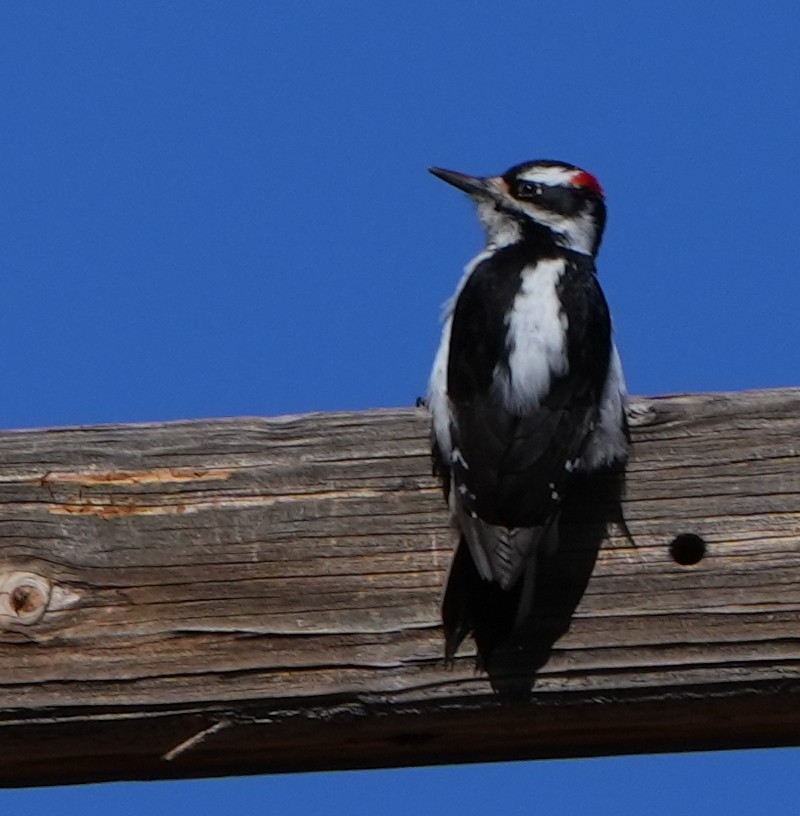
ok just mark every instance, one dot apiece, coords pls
pixel 474 605
pixel 514 638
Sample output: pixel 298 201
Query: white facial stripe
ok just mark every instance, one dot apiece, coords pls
pixel 577 232
pixel 550 175
pixel 536 338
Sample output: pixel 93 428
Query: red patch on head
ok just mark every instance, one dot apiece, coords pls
pixel 588 181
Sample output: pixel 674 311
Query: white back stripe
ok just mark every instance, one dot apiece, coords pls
pixel 536 338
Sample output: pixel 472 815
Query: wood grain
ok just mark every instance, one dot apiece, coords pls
pixel 252 595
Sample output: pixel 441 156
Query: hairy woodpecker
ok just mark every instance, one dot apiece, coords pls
pixel 527 386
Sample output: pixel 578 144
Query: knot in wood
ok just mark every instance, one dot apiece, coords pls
pixel 24 597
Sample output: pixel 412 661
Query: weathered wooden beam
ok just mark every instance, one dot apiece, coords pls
pixel 254 595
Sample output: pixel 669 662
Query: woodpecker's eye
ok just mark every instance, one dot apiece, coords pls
pixel 559 199
pixel 528 189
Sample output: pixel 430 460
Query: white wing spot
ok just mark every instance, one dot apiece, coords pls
pixel 465 491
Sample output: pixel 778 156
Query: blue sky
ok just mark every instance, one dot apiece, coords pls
pixel 222 208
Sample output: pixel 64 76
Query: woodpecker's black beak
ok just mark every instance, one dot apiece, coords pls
pixel 472 185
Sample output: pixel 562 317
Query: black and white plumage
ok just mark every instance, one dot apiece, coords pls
pixel 527 386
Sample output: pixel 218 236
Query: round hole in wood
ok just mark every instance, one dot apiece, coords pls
pixel 687 549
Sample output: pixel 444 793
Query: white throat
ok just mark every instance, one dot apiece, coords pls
pixel 501 228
